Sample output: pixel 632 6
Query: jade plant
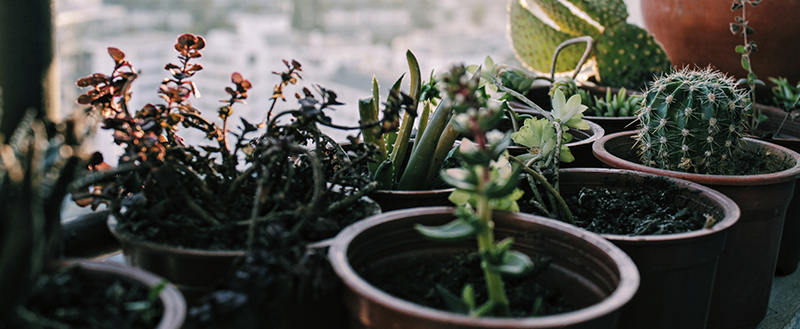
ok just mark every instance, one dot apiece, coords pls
pixel 435 134
pixel 488 180
pixel 692 120
pixel 625 55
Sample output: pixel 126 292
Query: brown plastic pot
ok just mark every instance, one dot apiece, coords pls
pixel 194 271
pixel 747 266
pixel 677 270
pixel 172 300
pixel 789 253
pixel 597 277
pixel 696 32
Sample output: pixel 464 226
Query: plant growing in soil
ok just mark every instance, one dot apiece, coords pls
pixel 615 105
pixel 692 120
pixel 194 191
pixel 275 194
pixel 434 137
pixel 488 181
pixel 545 139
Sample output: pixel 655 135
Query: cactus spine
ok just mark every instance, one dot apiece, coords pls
pixel 691 120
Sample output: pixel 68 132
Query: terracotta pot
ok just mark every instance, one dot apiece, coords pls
pixel 789 253
pixel 696 32
pixel 747 266
pixel 194 271
pixel 677 270
pixel 171 298
pixel 591 272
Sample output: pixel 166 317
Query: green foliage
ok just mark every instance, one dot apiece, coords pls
pixel 616 105
pixel 434 139
pixel 785 95
pixel 742 28
pixel 486 176
pixel 691 120
pixel 627 56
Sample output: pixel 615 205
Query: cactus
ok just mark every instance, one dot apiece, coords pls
pixel 626 55
pixel 692 120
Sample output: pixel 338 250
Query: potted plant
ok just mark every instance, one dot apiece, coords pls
pixel 188 211
pixel 486 182
pixel 97 294
pixel 606 201
pixel 37 168
pixel 406 168
pixel 690 127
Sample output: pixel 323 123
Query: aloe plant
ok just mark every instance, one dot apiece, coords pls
pixel 434 139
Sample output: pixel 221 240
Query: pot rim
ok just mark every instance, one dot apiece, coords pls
pixel 158 247
pixel 174 304
pixel 402 193
pixel 792 173
pixel 628 284
pixel 727 205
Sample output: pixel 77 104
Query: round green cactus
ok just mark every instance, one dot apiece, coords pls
pixel 691 120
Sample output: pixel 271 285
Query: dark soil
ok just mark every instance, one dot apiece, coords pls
pixel 71 299
pixel 754 162
pixel 647 208
pixel 417 283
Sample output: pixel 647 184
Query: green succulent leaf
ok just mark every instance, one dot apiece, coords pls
pixel 458 178
pixel 513 263
pixel 454 304
pixel 468 296
pixel 569 112
pixel 740 49
pixel 458 229
pixel 496 189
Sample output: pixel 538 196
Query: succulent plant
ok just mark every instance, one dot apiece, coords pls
pixel 615 105
pixel 692 120
pixel 626 55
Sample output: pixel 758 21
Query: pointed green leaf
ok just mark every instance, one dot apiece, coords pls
pixel 468 296
pixel 496 190
pixel 456 230
pixel 745 63
pixel 454 304
pixel 735 28
pixel 740 49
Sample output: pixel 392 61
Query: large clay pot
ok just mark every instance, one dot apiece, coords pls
pixel 677 270
pixel 747 266
pixel 591 272
pixel 696 32
pixel 789 254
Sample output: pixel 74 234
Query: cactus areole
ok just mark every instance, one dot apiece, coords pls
pixel 692 121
